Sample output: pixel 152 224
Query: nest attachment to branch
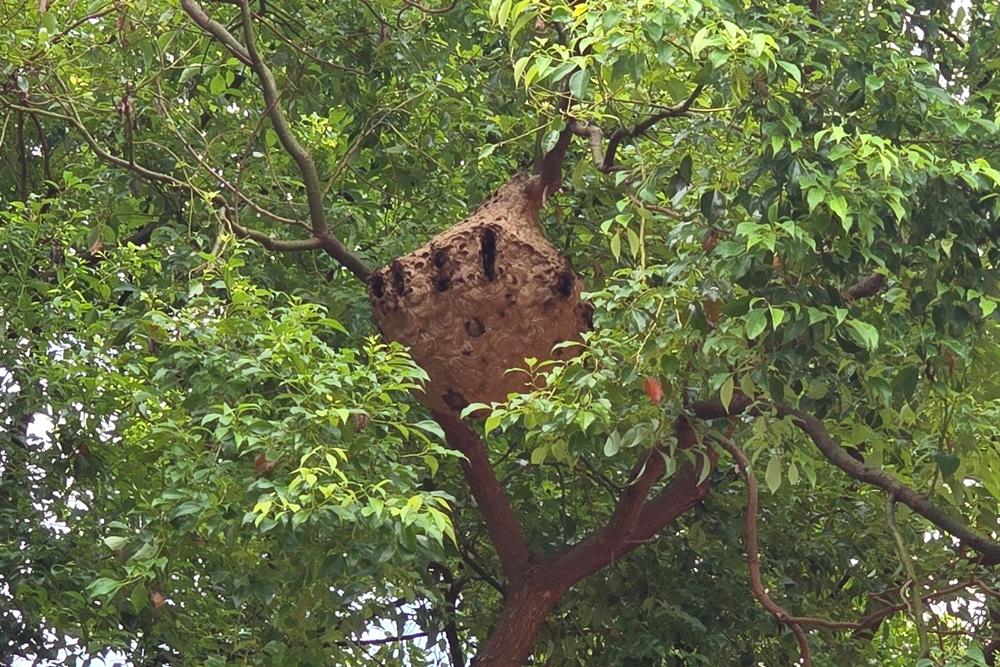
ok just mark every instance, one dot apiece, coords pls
pixel 481 297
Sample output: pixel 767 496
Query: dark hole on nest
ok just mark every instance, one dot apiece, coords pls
pixel 442 282
pixel 440 258
pixel 488 241
pixel 398 281
pixel 564 284
pixel 378 286
pixel 475 327
pixel 454 400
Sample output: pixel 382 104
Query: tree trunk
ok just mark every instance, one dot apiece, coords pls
pixel 512 640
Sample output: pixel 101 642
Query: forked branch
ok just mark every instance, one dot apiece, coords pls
pixel 604 159
pixel 249 55
pixel 637 518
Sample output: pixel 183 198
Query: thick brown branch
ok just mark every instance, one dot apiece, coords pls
pixel 676 498
pixel 273 244
pixel 498 514
pixel 595 140
pixel 753 553
pixel 550 173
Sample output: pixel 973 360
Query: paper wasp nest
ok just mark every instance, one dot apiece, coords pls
pixel 479 298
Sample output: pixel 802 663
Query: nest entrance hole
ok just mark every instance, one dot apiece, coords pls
pixel 488 245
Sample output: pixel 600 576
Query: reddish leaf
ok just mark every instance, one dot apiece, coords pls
pixel 653 389
pixel 157 599
pixel 361 420
pixel 263 465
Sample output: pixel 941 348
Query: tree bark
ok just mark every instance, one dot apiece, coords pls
pixel 525 611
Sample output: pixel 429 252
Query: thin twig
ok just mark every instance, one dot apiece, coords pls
pixel 753 553
pixel 916 606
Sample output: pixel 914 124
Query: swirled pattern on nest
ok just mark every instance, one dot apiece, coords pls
pixel 479 298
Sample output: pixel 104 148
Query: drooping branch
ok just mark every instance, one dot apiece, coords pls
pixel 753 553
pixel 813 427
pixel 916 606
pixel 71 118
pixel 248 54
pixel 838 456
pixel 381 641
pixel 156 177
pixel 22 159
pixel 498 514
pixel 453 589
pixel 430 10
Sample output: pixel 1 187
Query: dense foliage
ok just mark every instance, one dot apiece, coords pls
pixel 208 456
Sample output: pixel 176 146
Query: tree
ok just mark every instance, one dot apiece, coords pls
pixel 786 216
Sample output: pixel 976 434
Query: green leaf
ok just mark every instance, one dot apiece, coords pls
pixel 772 476
pixel 726 392
pixel 793 474
pixel 838 204
pixel 432 427
pixel 139 598
pixel 217 85
pixel 539 454
pixel 613 444
pixel 700 40
pixel 816 315
pixel 777 317
pixel 103 586
pixel 814 198
pixel 503 11
pixel 867 333
pixel 947 463
pixel 817 389
pixel 115 542
pixel 792 70
pixel 519 67
pixel 492 422
pixel 756 323
pixel 578 83
pixel 185 509
pixel 616 246
pixel 487 151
